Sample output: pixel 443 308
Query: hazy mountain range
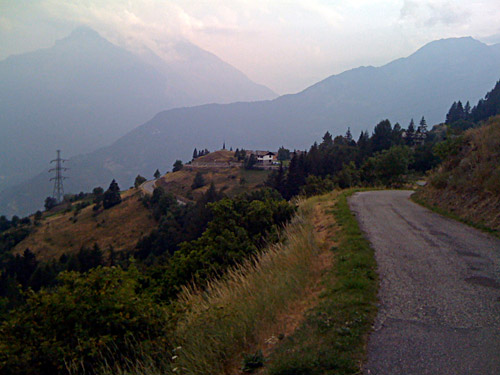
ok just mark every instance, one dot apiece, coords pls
pixel 85 92
pixel 423 84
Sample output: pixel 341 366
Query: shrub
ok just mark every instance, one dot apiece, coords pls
pixel 88 320
pixel 198 181
pixel 252 362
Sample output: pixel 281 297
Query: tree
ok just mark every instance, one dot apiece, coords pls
pixel 98 194
pixel 410 134
pixel 157 174
pixel 38 216
pixel 276 180
pixel 422 127
pixel 195 153
pixel 467 110
pixel 348 137
pixel 250 161
pixel 382 136
pixel 50 203
pixel 283 154
pixel 89 320
pixel 111 196
pixel 295 177
pixel 177 166
pixel 198 181
pixel 139 180
pixel 388 166
pixel 240 154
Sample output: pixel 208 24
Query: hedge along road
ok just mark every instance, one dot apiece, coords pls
pixel 439 308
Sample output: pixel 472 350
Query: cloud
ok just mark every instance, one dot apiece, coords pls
pixel 285 44
pixel 6 24
pixel 433 13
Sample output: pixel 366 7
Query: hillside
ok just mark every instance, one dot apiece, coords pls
pixel 424 83
pixel 66 232
pixel 85 92
pixel 123 225
pixel 467 183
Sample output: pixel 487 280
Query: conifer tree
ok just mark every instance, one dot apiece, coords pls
pixel 410 134
pixel 111 196
pixel 348 135
pixel 177 166
pixel 422 127
pixel 157 174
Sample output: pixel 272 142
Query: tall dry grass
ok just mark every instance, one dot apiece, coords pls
pixel 222 321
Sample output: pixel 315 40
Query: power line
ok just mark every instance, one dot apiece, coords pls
pixel 58 192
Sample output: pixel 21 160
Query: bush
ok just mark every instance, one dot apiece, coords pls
pixel 198 181
pixel 139 180
pixel 252 362
pixel 90 319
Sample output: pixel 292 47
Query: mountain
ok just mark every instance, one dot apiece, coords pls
pixel 424 84
pixel 84 92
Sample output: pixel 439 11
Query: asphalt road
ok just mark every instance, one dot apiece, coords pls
pixel 439 309
pixel 148 186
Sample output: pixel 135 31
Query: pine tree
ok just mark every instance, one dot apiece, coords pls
pixel 111 196
pixel 157 174
pixel 450 116
pixel 195 153
pixel 327 140
pixel 410 134
pixel 382 136
pixel 467 110
pixel 276 180
pixel 422 127
pixel 177 166
pixel 348 135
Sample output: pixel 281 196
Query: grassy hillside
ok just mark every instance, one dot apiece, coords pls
pixel 281 311
pixel 231 180
pixel 123 225
pixel 66 232
pixel 467 183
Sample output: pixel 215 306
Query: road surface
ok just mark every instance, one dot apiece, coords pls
pixel 439 309
pixel 148 186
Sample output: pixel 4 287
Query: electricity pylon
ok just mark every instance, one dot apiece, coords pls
pixel 58 192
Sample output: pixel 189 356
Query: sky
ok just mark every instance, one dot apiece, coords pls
pixel 286 45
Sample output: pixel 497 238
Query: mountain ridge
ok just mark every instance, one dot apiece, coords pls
pixel 358 98
pixel 84 92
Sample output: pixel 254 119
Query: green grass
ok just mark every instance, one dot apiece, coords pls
pixel 415 197
pixel 332 339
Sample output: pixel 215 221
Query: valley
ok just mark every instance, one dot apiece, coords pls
pixel 202 224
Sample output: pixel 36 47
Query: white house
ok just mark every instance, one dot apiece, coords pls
pixel 266 158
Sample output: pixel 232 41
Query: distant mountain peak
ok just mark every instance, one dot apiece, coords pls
pixel 457 45
pixel 82 33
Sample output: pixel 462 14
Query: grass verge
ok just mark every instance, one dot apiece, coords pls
pixel 332 338
pixel 415 197
pixel 225 320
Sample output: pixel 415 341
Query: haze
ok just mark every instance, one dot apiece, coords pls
pixel 285 45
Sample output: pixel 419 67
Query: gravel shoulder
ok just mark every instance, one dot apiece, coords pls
pixel 439 309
